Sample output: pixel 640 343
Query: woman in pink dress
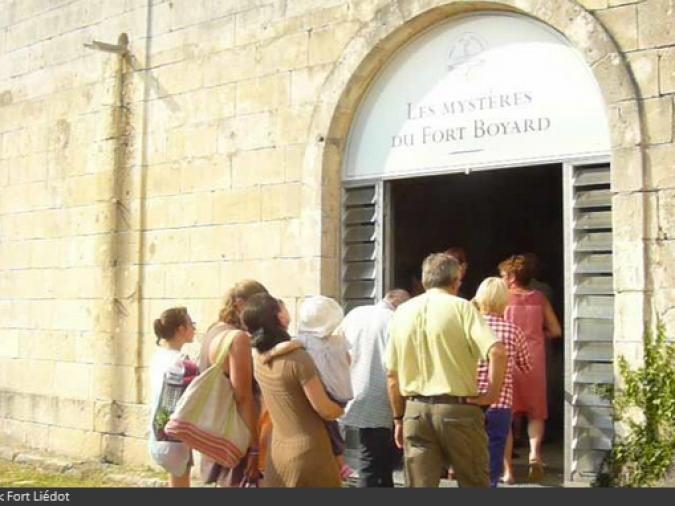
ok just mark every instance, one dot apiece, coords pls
pixel 531 311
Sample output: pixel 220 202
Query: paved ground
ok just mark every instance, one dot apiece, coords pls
pixel 28 468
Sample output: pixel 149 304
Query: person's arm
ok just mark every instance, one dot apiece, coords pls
pixel 496 368
pixel 317 397
pixel 397 402
pixel 551 324
pixel 240 363
pixel 280 349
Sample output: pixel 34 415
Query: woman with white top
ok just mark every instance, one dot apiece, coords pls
pixel 173 329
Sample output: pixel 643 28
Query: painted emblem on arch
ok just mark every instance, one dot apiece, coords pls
pixel 465 53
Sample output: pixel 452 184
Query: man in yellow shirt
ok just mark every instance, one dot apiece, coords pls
pixel 435 342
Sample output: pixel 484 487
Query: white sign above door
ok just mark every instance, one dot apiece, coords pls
pixel 478 92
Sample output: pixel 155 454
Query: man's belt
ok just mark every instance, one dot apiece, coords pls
pixel 438 399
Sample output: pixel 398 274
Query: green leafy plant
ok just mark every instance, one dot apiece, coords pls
pixel 646 406
pixel 162 418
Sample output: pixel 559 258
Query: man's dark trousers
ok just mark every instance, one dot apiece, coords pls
pixel 377 456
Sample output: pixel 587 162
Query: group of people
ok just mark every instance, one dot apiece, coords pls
pixel 436 375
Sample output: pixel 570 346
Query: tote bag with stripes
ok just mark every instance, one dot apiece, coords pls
pixel 206 416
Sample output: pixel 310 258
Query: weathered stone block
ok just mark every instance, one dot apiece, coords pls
pixel 74 442
pixel 252 131
pixel 255 24
pixel 624 120
pixel 9 344
pixel 284 277
pixel 261 240
pixel 645 68
pixel 107 416
pixel 153 281
pixel 261 166
pixel 621 22
pixel 662 262
pixel 230 65
pixel 216 243
pixel 187 280
pixel 656 20
pixel 629 272
pixel 281 201
pixel 667 70
pixel 34 377
pixel 74 379
pixel 666 212
pixel 292 125
pixel 304 7
pixel 74 414
pixel 294 157
pixel 110 382
pixel 283 53
pixel 327 45
pixel 610 70
pixel 659 120
pixel 166 245
pixel 205 174
pixel 237 206
pixel 629 317
pixel 162 179
pixel 660 171
pixel 306 83
pixel 628 216
pixel 112 448
pixel 176 78
pixel 263 93
pixel 135 420
pixel 48 345
pixel 136 451
pixel 664 307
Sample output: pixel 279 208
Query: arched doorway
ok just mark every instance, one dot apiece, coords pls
pixel 576 168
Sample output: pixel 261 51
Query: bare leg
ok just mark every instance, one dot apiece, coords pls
pixel 508 459
pixel 535 430
pixel 180 481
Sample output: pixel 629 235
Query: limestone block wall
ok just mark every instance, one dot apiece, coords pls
pixel 131 183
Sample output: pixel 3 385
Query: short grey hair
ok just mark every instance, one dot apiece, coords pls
pixel 439 270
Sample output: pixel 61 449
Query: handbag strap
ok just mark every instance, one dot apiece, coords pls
pixel 225 346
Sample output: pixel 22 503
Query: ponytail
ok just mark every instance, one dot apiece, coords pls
pixel 167 325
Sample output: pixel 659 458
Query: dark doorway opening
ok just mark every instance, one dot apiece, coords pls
pixel 492 215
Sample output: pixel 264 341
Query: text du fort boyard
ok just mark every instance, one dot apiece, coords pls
pixel 34 496
pixel 480 128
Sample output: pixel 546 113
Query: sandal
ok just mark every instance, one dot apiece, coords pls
pixel 536 472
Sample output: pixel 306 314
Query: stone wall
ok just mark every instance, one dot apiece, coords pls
pixel 214 136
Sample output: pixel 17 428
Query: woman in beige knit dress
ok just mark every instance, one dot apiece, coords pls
pixel 300 454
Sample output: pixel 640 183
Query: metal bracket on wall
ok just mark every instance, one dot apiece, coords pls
pixel 120 48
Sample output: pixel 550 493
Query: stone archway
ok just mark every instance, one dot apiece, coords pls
pixel 375 44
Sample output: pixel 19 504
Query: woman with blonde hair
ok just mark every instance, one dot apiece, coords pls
pixel 239 368
pixel 532 312
pixel 491 299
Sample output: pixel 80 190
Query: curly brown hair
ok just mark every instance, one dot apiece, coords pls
pixel 241 290
pixel 519 267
